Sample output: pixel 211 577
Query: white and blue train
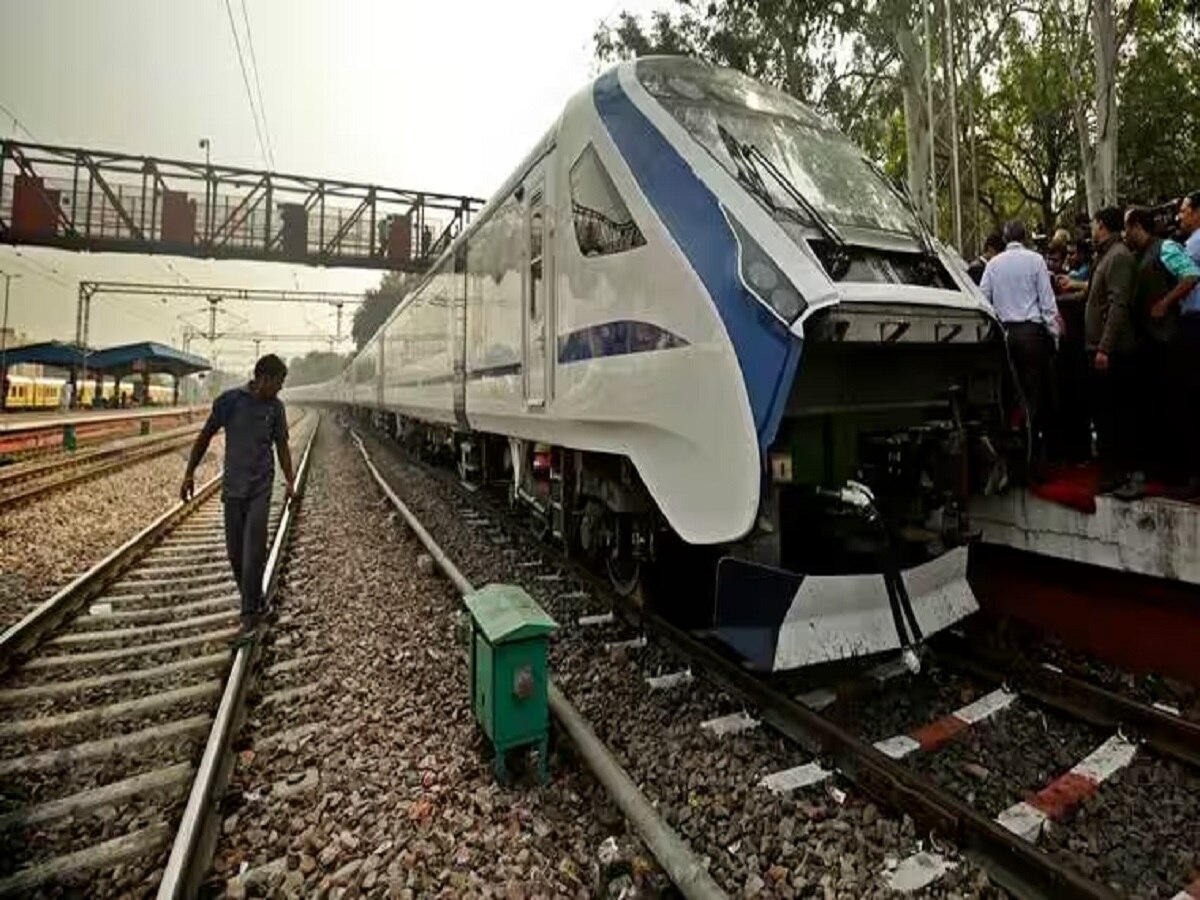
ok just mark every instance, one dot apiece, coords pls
pixel 696 316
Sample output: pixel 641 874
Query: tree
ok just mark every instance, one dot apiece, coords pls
pixel 1097 28
pixel 1030 152
pixel 315 366
pixel 857 60
pixel 1160 108
pixel 1053 89
pixel 378 305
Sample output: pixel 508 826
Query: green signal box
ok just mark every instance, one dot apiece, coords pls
pixel 509 677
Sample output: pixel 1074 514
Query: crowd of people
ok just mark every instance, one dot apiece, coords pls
pixel 1104 338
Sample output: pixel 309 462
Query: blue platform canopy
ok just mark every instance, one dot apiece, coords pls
pixel 48 353
pixel 146 357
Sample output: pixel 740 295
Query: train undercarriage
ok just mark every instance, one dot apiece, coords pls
pixel 592 504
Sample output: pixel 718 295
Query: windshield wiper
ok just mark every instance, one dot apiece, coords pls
pixel 749 159
pixel 747 172
pixel 924 238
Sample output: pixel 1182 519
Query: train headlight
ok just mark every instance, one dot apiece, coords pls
pixel 764 279
pixel 787 303
pixel 761 276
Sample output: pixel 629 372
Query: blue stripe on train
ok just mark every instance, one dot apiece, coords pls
pixel 767 352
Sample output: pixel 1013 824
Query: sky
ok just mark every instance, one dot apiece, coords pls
pixel 437 95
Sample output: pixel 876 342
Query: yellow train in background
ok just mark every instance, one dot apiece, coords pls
pixel 25 392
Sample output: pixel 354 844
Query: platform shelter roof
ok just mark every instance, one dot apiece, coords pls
pixel 146 356
pixel 47 353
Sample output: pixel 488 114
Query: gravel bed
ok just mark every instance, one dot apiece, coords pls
pixel 1012 639
pixel 129 637
pixel 1001 760
pixel 98 696
pixel 1111 838
pixel 46 543
pixel 905 703
pixel 394 793
pixel 28 846
pixel 60 738
pixel 26 677
pixel 758 844
pixel 27 788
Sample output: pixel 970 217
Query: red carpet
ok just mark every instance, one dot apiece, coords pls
pixel 1076 487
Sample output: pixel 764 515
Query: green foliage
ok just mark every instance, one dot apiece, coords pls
pixel 315 366
pixel 1159 123
pixel 378 305
pixel 1029 157
pixel 846 58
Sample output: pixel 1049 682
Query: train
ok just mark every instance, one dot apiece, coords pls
pixel 698 324
pixel 32 393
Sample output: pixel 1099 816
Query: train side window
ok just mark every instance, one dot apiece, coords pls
pixel 603 224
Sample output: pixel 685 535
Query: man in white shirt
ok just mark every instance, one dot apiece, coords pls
pixel 1017 284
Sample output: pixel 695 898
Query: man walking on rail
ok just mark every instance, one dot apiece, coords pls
pixel 255 423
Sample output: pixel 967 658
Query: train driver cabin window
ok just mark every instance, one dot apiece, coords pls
pixel 603 224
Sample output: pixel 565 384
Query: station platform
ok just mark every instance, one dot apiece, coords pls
pixel 28 421
pixel 1152 536
pixel 30 432
pixel 1118 583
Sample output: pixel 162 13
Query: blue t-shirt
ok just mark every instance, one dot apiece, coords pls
pixel 252 429
pixel 1191 303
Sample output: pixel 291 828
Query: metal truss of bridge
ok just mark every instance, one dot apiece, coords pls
pixel 76 199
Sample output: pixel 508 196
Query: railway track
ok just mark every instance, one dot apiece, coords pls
pixel 26 438
pixel 120 695
pixel 1049 743
pixel 23 482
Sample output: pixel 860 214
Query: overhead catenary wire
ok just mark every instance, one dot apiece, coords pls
pixel 262 106
pixel 262 147
pixel 17 123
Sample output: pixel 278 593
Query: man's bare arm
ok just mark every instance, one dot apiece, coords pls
pixel 285 463
pixel 199 448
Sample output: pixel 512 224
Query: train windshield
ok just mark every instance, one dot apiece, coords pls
pixel 827 170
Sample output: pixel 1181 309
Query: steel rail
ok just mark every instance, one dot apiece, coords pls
pixel 1020 867
pixel 29 631
pixel 107 464
pixel 1169 734
pixel 684 868
pixel 40 468
pixel 195 837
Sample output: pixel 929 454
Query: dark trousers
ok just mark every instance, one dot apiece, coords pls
pixel 1072 429
pixel 1115 411
pixel 246 543
pixel 1031 348
pixel 1165 407
pixel 1183 398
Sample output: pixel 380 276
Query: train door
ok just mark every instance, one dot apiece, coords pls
pixel 458 335
pixel 537 300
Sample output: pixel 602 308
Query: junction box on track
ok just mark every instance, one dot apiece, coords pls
pixel 508 671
